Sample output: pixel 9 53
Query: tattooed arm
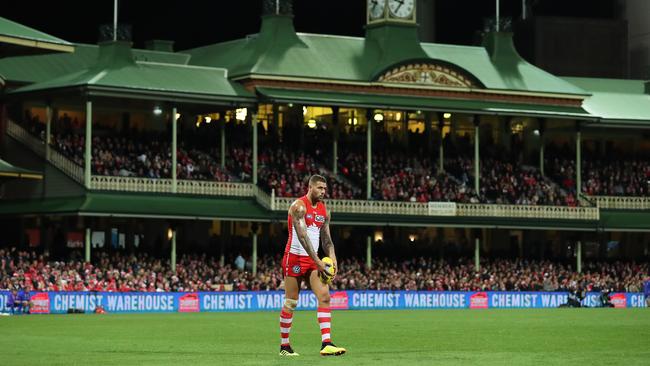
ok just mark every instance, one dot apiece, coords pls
pixel 326 238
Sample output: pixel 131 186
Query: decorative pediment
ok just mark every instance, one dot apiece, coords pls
pixel 429 74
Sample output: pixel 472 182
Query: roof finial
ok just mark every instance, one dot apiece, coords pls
pixel 277 7
pixel 497 17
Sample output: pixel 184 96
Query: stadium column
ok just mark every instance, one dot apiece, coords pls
pixel 441 149
pixel 542 142
pixel 477 253
pixel 578 161
pixel 335 144
pixel 174 151
pixel 223 141
pixel 477 139
pixel 173 254
pixel 579 257
pixel 87 245
pixel 404 137
pixel 427 131
pixel 369 252
pixel 48 130
pixel 369 154
pixel 254 228
pixel 254 127
pixel 87 143
pixel 300 113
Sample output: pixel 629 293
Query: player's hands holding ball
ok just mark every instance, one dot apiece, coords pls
pixel 328 271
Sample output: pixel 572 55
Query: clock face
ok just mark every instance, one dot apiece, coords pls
pixel 376 8
pixel 401 8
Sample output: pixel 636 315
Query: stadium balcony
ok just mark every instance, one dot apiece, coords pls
pixel 457 170
pixel 275 202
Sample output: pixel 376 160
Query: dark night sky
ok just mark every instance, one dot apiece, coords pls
pixel 193 23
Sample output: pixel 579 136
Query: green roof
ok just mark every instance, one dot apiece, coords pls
pixel 40 68
pixel 278 51
pixel 516 73
pixel 19 36
pixel 390 101
pixel 615 101
pixel 116 73
pixel 8 170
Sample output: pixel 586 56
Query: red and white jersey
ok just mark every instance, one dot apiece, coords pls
pixel 314 219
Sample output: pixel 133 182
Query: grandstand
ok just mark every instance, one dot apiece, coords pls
pixel 430 150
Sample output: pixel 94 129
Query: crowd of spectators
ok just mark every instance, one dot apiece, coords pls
pixel 402 177
pixel 494 275
pixel 287 173
pixel 125 273
pixel 616 178
pixel 397 176
pixel 144 273
pixel 147 156
pixel 509 183
pixel 601 176
pixel 399 173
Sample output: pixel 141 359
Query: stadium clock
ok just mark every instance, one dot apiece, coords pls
pixel 402 9
pixel 376 9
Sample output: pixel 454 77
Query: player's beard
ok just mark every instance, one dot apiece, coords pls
pixel 315 198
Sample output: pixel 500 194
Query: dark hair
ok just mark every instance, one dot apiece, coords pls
pixel 316 178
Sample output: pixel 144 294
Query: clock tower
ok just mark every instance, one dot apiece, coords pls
pixel 391 33
pixel 391 11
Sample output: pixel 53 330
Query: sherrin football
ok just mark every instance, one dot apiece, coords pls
pixel 329 268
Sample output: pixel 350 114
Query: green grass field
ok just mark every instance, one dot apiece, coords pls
pixel 439 337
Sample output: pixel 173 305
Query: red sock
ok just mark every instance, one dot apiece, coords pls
pixel 325 322
pixel 285 327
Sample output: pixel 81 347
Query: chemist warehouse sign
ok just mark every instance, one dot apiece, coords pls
pixel 153 302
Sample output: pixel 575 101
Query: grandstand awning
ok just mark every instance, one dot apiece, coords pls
pixel 615 102
pixel 17 39
pixel 10 171
pixel 392 101
pixel 116 74
pixel 140 205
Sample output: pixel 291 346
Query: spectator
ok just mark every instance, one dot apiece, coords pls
pixel 240 262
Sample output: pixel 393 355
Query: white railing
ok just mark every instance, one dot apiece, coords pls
pixel 478 210
pixel 531 212
pixel 621 202
pixel 67 166
pixel 135 184
pixel 64 164
pixel 17 132
pixel 365 207
pixel 263 198
pixel 130 184
pixel 214 188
